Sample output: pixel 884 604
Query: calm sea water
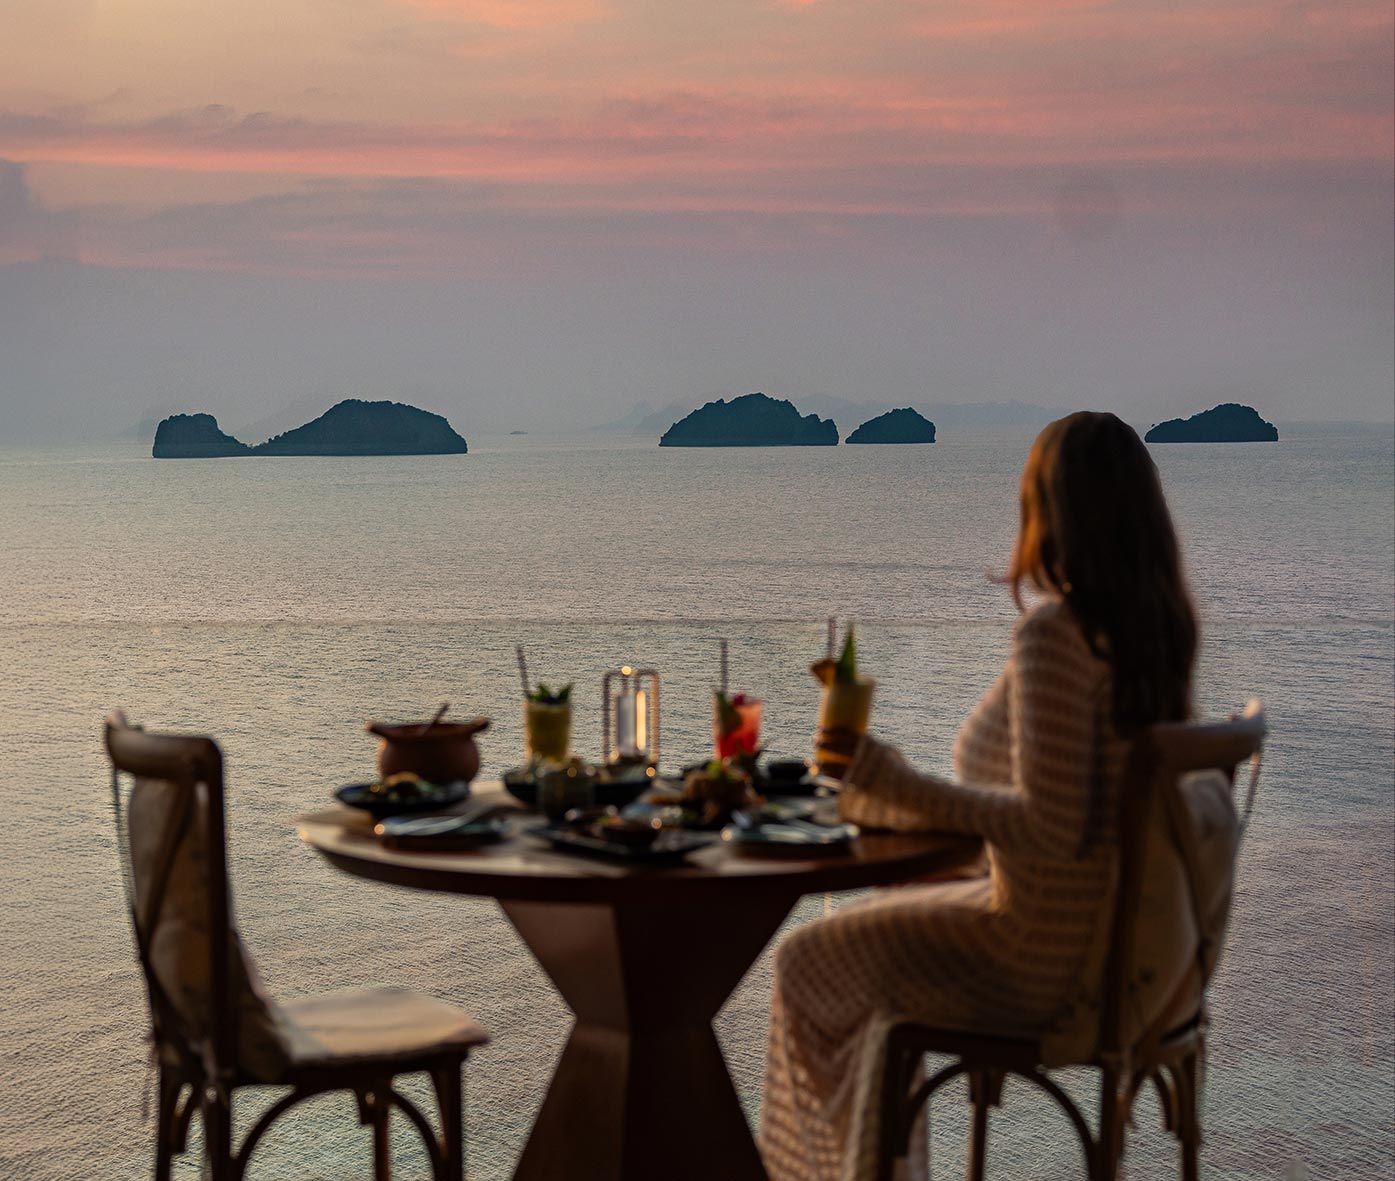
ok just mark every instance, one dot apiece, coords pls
pixel 279 603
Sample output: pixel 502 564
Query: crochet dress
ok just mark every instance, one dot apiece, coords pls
pixel 1004 953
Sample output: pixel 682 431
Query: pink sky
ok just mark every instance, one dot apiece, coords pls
pixel 820 106
pixel 500 141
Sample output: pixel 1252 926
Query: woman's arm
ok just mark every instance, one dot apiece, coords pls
pixel 1053 685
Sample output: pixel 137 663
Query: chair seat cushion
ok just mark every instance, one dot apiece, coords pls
pixel 364 1025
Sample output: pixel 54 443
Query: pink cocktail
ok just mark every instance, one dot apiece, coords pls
pixel 736 724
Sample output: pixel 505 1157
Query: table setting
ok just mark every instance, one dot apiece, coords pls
pixel 623 807
pixel 644 893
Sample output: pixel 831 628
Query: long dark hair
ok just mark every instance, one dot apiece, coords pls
pixel 1096 530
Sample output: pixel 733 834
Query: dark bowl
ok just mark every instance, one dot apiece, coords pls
pixel 787 777
pixel 520 784
pixel 442 795
pixel 616 793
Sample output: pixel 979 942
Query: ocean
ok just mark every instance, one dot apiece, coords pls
pixel 278 603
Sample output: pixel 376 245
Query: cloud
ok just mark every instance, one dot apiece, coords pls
pixel 27 229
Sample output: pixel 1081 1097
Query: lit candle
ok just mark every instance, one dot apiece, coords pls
pixel 625 720
pixel 641 722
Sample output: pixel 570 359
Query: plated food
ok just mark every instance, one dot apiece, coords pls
pixel 717 790
pixel 608 832
pixel 401 793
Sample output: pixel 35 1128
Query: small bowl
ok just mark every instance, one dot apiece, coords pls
pixel 788 777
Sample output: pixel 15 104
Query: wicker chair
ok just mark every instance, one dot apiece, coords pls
pixel 213 1030
pixel 1168 1054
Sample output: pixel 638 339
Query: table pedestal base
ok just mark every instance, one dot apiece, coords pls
pixel 642 1090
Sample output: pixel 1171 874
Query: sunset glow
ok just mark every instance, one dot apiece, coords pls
pixel 962 110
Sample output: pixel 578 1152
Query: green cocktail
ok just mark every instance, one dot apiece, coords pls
pixel 547 725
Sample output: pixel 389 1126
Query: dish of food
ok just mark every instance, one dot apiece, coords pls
pixel 717 790
pixel 608 833
pixel 401 793
pixel 613 787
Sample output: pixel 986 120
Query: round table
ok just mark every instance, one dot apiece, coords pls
pixel 645 957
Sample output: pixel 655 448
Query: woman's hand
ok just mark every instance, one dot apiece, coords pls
pixel 841 743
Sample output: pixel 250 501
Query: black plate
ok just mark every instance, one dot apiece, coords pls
pixel 520 784
pixel 800 839
pixel 671 846
pixel 441 832
pixel 442 795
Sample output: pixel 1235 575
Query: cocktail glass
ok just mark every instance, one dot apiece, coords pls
pixel 736 725
pixel 844 705
pixel 547 730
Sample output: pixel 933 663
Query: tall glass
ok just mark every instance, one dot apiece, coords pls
pixel 547 730
pixel 736 725
pixel 844 705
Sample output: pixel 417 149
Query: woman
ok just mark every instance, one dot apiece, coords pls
pixel 1107 649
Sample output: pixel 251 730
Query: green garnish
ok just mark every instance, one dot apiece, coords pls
pixel 545 696
pixel 845 669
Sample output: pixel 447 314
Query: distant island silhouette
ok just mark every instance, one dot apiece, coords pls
pixel 351 427
pixel 753 420
pixel 895 426
pixel 1229 422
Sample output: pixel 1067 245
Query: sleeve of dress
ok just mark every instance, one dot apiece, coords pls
pixel 1053 685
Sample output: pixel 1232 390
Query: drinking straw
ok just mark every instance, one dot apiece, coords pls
pixel 431 725
pixel 724 666
pixel 832 636
pixel 522 669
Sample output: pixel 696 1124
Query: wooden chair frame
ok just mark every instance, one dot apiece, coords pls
pixel 200 1071
pixel 1170 1060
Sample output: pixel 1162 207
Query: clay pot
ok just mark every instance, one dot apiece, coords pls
pixel 444 754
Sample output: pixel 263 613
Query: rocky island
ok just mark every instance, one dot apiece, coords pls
pixel 1229 422
pixel 194 436
pixel 351 427
pixel 750 421
pixel 895 426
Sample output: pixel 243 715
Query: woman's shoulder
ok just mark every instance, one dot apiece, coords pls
pixel 1051 622
pixel 1049 613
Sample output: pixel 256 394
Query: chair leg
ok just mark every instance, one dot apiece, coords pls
pixel 373 1111
pixel 382 1157
pixel 1109 1148
pixel 217 1136
pixel 1188 1117
pixel 892 1134
pixel 449 1099
pixel 166 1119
pixel 982 1088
